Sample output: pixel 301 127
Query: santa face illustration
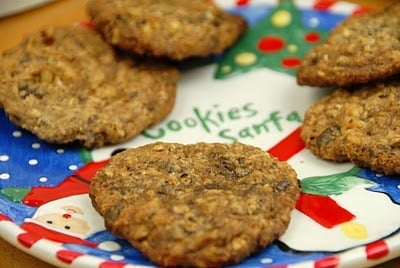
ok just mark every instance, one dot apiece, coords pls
pixel 66 221
pixel 72 216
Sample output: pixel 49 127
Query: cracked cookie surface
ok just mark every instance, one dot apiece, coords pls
pixel 196 205
pixel 361 125
pixel 361 49
pixel 175 29
pixel 66 84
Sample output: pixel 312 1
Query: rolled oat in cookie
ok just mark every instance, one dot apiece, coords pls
pixel 361 125
pixel 363 48
pixel 66 84
pixel 175 29
pixel 196 205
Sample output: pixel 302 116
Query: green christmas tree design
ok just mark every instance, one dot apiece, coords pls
pixel 278 42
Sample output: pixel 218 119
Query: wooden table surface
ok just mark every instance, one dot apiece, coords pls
pixel 64 12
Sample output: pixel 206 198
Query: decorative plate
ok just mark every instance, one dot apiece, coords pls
pixel 346 216
pixel 11 7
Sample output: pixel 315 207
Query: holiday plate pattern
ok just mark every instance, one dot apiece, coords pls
pixel 346 216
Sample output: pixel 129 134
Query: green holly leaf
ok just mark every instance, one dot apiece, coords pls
pixel 335 184
pixel 14 194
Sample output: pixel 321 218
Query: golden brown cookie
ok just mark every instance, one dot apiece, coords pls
pixel 175 29
pixel 363 48
pixel 362 125
pixel 196 205
pixel 66 84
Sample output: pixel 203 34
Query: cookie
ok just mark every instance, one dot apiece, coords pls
pixel 361 49
pixel 66 84
pixel 175 29
pixel 361 126
pixel 195 205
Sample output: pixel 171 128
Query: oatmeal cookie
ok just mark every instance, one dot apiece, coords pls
pixel 196 205
pixel 175 29
pixel 66 84
pixel 361 126
pixel 363 48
